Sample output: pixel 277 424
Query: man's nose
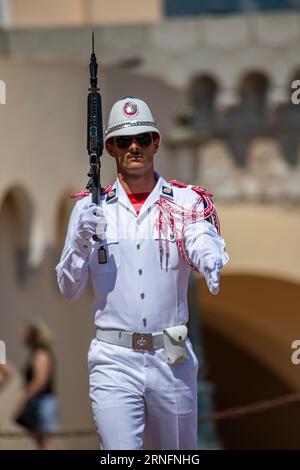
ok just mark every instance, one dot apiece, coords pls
pixel 134 144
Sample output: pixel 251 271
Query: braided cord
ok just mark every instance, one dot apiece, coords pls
pixel 178 218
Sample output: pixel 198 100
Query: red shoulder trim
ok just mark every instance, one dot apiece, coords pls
pixel 107 189
pixel 79 194
pixel 179 184
pixel 199 190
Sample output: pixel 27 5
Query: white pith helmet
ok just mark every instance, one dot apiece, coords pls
pixel 130 116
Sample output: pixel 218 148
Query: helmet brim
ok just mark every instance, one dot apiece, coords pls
pixel 131 130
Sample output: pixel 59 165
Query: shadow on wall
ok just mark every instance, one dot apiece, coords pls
pixel 241 379
pixel 248 330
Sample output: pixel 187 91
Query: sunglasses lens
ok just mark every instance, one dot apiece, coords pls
pixel 144 140
pixel 123 141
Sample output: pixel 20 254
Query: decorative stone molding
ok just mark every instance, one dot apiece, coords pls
pixel 267 177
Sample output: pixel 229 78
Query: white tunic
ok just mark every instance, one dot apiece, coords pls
pixel 134 290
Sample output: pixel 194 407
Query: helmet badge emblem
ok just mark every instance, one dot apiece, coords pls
pixel 130 109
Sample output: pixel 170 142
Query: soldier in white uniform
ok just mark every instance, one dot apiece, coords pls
pixel 151 233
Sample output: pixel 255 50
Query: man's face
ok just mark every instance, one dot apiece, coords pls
pixel 134 154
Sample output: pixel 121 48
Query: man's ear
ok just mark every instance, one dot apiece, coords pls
pixel 110 148
pixel 156 141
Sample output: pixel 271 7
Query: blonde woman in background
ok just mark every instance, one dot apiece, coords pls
pixel 38 408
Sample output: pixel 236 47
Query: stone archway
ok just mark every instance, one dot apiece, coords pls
pixel 16 214
pixel 248 330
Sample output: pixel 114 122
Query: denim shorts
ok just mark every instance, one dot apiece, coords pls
pixel 47 413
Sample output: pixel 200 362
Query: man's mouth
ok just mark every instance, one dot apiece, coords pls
pixel 135 157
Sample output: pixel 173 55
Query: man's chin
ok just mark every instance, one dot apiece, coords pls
pixel 136 168
pixel 136 165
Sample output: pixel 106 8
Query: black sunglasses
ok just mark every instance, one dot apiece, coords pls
pixel 123 141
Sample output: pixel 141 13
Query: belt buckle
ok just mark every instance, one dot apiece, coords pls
pixel 142 341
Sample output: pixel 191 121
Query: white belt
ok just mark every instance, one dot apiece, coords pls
pixel 138 341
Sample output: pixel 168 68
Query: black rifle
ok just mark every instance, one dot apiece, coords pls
pixel 94 130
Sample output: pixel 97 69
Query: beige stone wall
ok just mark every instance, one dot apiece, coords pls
pixel 262 240
pixel 120 12
pixel 179 50
pixel 42 13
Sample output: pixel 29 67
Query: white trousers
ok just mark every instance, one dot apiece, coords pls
pixel 141 402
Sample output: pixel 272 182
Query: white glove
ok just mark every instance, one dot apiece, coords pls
pixel 91 222
pixel 211 268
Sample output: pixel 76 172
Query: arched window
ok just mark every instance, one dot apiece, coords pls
pixel 16 215
pixel 63 213
pixel 253 91
pixel 202 96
